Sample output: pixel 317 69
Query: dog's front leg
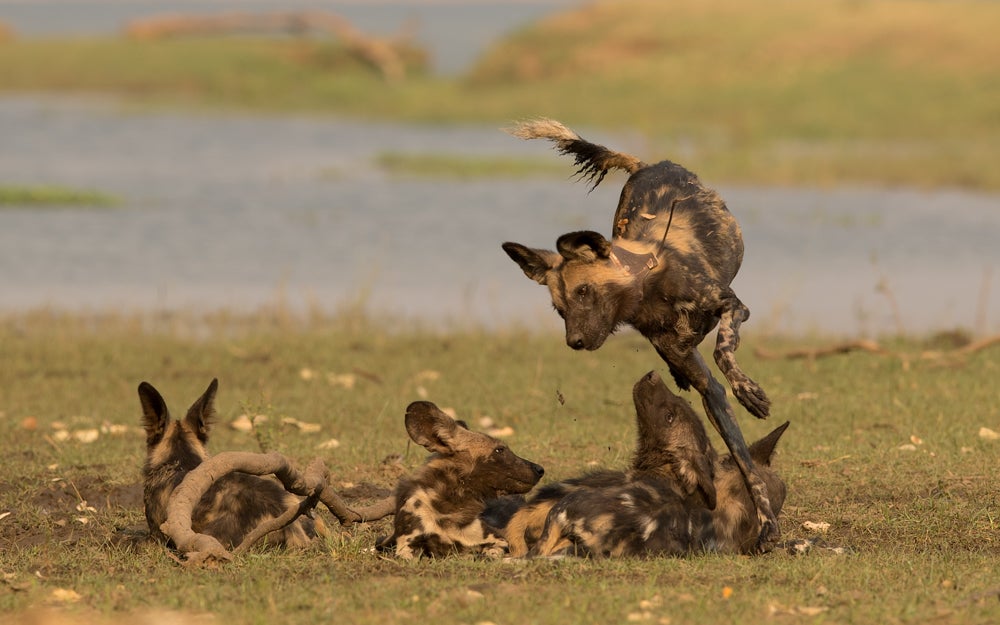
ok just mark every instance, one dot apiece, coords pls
pixel 713 394
pixel 494 546
pixel 748 392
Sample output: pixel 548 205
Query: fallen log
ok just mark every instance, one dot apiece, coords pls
pixel 811 353
pixel 312 484
pixel 872 347
pixel 382 54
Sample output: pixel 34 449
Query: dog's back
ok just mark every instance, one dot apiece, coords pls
pixel 234 504
pixel 704 237
pixel 665 210
pixel 645 515
pixel 439 507
pixel 524 528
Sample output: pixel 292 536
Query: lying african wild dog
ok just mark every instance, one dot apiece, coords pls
pixel 235 504
pixel 673 453
pixel 646 516
pixel 438 508
pixel 677 498
pixel 667 270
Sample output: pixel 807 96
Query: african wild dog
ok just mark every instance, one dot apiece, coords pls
pixel 673 453
pixel 235 504
pixel 647 516
pixel 438 508
pixel 667 270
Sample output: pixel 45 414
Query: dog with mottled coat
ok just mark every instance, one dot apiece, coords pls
pixel 647 516
pixel 439 508
pixel 235 504
pixel 672 454
pixel 666 271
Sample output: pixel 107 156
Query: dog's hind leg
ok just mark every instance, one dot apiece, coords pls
pixel 553 540
pixel 748 392
pixel 713 394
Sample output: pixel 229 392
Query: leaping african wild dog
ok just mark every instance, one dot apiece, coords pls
pixel 438 508
pixel 235 504
pixel 666 271
pixel 672 453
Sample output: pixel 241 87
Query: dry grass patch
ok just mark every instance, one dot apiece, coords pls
pixel 885 450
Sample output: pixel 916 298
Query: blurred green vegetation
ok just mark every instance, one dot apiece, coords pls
pixel 53 196
pixel 461 166
pixel 893 92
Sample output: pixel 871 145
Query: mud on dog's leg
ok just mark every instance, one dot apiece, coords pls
pixel 727 341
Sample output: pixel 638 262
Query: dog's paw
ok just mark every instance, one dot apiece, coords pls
pixel 494 552
pixel 494 547
pixel 768 538
pixel 753 398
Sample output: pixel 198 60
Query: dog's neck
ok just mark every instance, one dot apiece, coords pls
pixel 637 265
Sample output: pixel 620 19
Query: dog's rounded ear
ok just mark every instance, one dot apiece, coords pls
pixel 201 414
pixel 704 476
pixel 155 415
pixel 534 263
pixel 429 427
pixel 586 245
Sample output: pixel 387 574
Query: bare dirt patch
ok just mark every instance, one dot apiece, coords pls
pixel 70 510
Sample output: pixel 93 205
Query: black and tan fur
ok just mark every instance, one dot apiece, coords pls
pixel 235 504
pixel 439 507
pixel 672 452
pixel 647 516
pixel 667 270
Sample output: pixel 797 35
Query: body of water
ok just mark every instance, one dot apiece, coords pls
pixel 239 211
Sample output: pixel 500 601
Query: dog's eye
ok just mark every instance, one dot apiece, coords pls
pixel 499 450
pixel 582 290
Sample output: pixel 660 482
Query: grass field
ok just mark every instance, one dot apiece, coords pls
pixel 887 449
pixel 891 92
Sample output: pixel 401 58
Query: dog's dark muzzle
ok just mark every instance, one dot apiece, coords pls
pixel 523 480
pixel 578 342
pixel 538 470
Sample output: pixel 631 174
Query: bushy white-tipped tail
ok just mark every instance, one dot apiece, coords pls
pixel 594 160
pixel 542 128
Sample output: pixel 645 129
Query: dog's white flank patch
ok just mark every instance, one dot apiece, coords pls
pixel 561 518
pixel 649 526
